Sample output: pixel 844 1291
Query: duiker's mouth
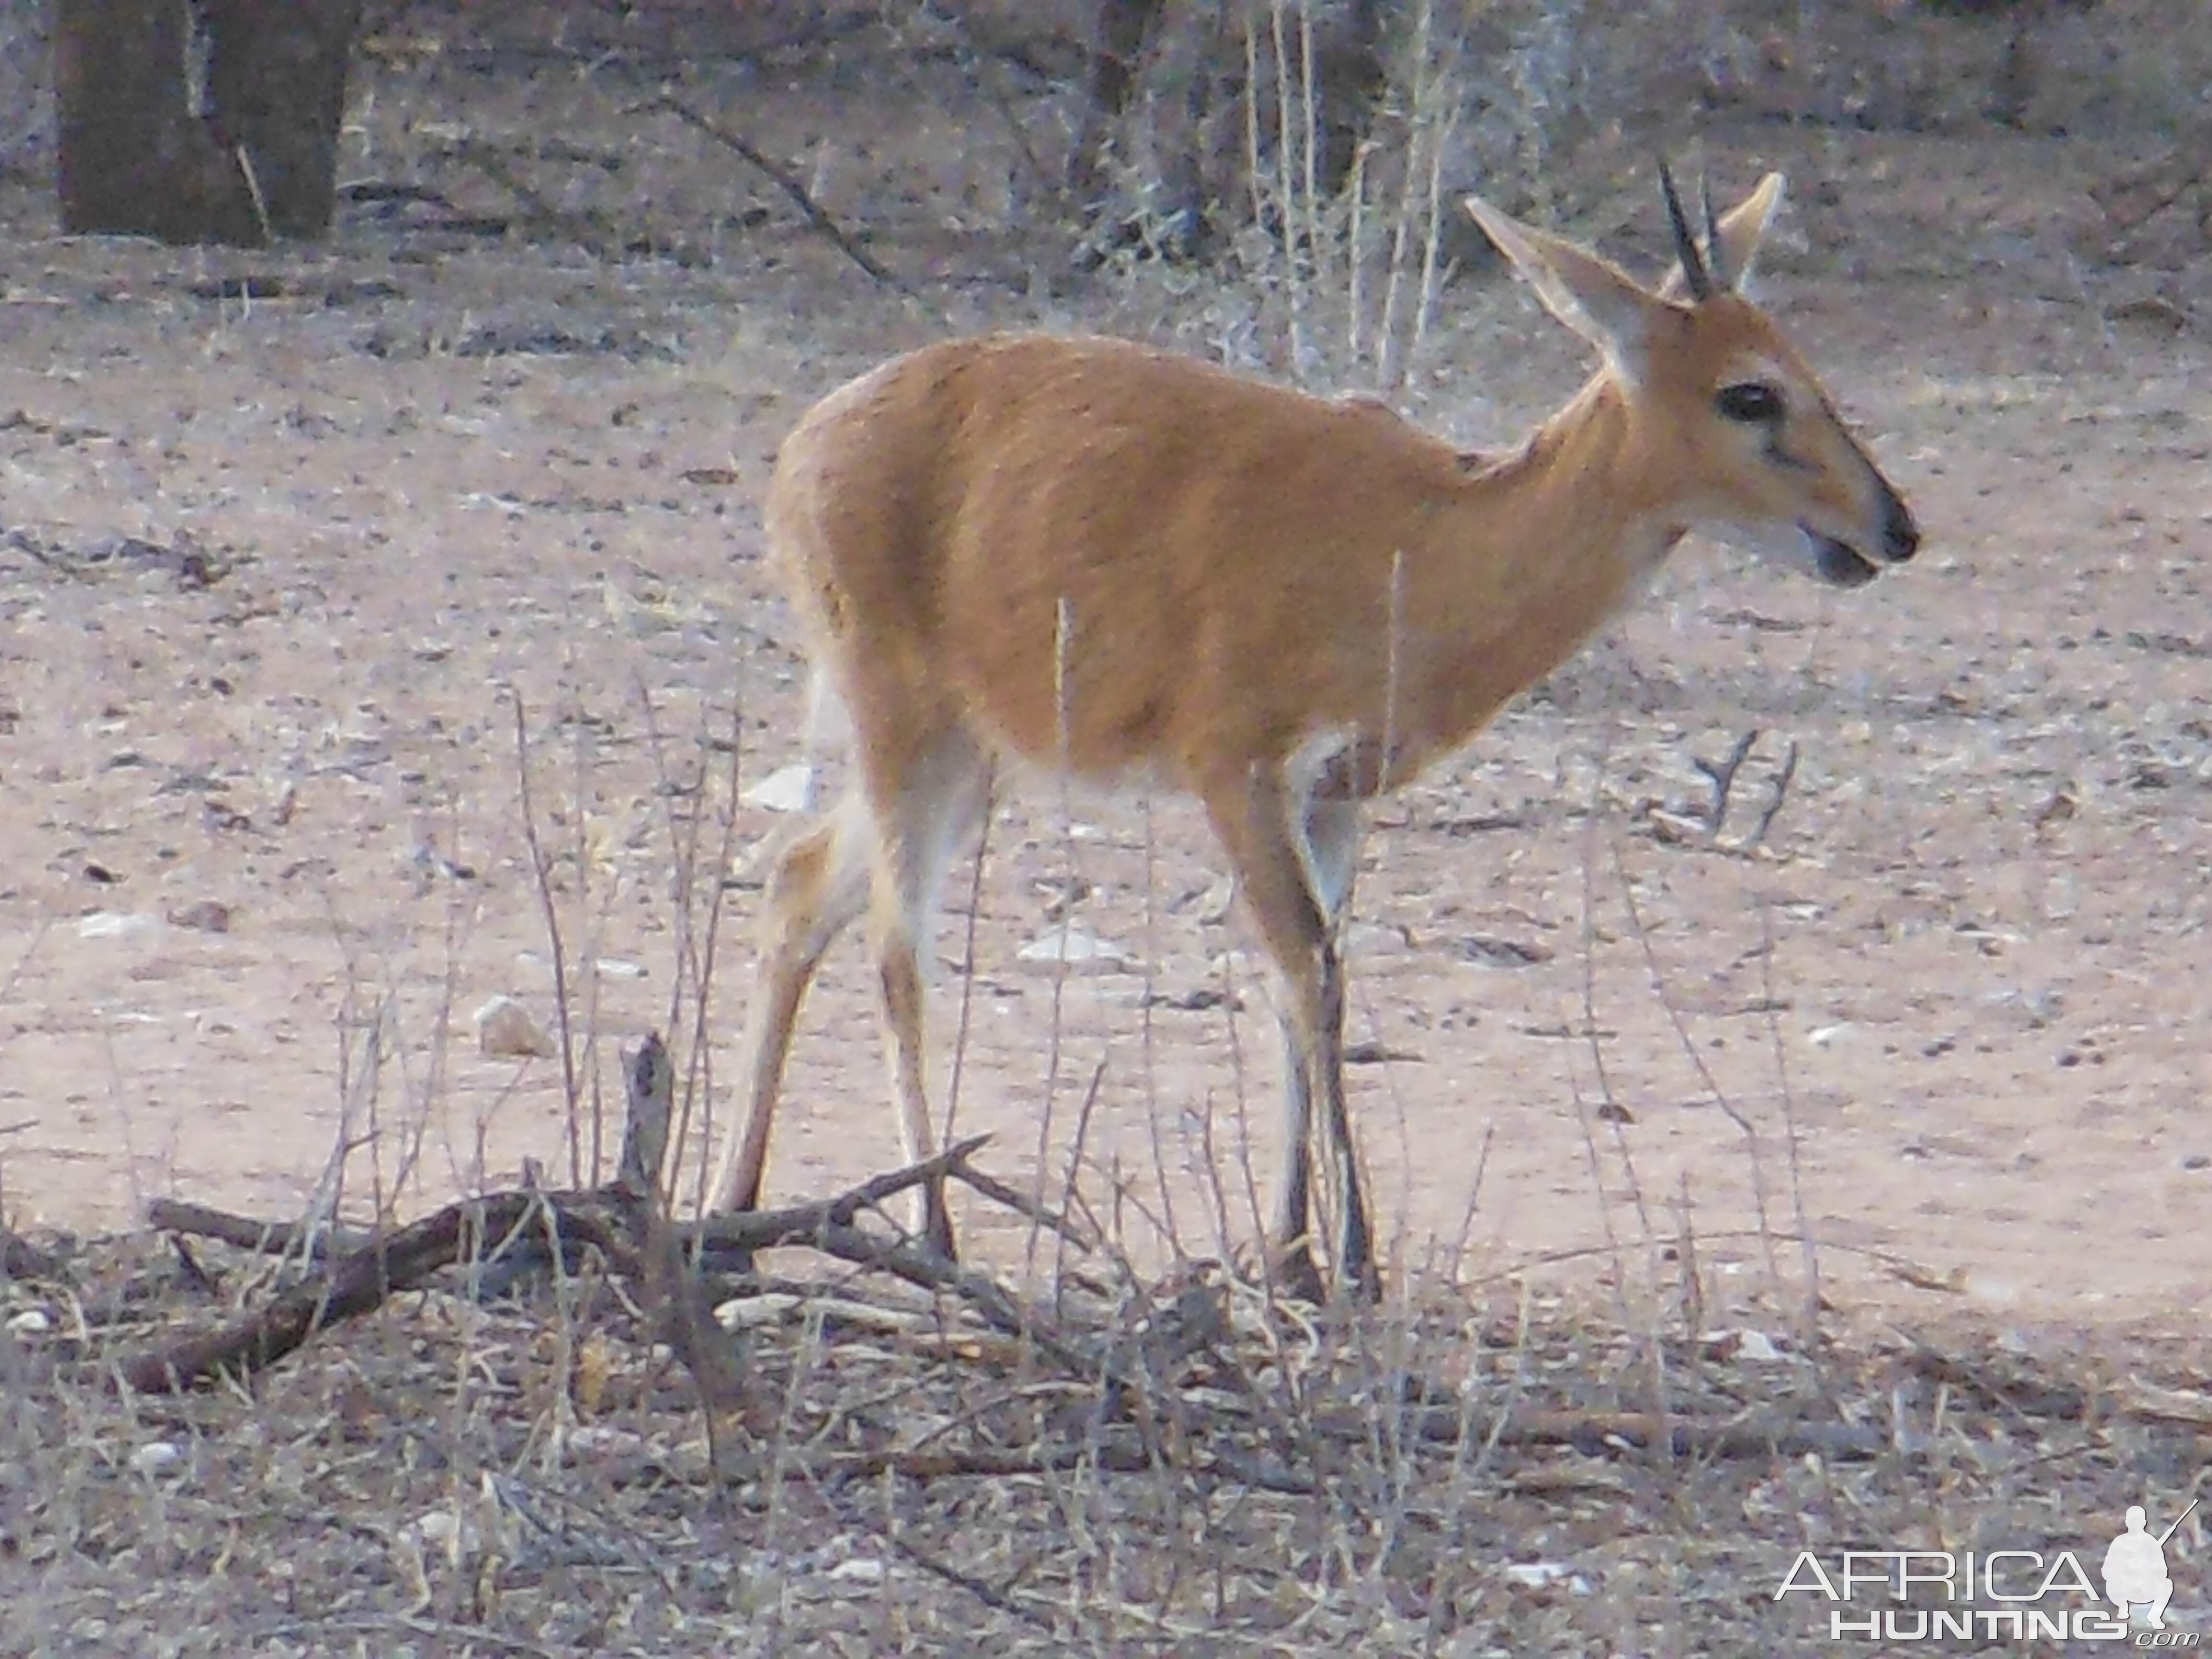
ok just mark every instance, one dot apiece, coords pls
pixel 1839 564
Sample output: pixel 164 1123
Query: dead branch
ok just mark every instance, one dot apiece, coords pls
pixel 786 181
pixel 586 230
pixel 764 1229
pixel 978 61
pixel 201 1279
pixel 2137 193
pixel 1120 1455
pixel 921 1266
pixel 171 1215
pixel 1022 1204
pixel 1722 775
pixel 649 1077
pixel 1779 788
pixel 732 1234
pixel 716 1359
pixel 611 1220
pixel 354 1285
pixel 1596 1432
pixel 1000 1601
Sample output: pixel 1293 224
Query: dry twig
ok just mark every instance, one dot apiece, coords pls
pixel 1780 792
pixel 1722 775
pixel 784 180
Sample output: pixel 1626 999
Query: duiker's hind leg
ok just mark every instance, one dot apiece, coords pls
pixel 818 883
pixel 928 799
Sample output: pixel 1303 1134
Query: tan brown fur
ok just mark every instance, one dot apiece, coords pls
pixel 1088 555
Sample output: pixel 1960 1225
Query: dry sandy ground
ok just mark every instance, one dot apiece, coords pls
pixel 439 475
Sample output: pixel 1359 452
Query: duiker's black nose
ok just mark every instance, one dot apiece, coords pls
pixel 1900 537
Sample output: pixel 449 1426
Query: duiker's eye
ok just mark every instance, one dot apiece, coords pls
pixel 1752 402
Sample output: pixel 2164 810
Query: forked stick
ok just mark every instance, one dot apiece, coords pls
pixel 610 1219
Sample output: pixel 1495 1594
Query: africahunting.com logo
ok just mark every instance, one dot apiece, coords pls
pixel 1895 1596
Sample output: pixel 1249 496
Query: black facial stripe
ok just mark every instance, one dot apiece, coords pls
pixel 1782 457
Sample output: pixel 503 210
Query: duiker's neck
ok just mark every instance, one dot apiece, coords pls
pixel 1585 470
pixel 1538 551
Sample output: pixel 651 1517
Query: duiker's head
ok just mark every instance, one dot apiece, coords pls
pixel 1724 408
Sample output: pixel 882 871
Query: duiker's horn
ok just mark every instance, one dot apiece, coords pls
pixel 1717 256
pixel 1686 244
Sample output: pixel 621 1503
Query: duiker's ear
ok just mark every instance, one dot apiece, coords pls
pixel 1596 300
pixel 1744 227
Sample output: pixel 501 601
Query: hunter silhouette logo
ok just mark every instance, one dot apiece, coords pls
pixel 2135 1570
pixel 1903 1597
